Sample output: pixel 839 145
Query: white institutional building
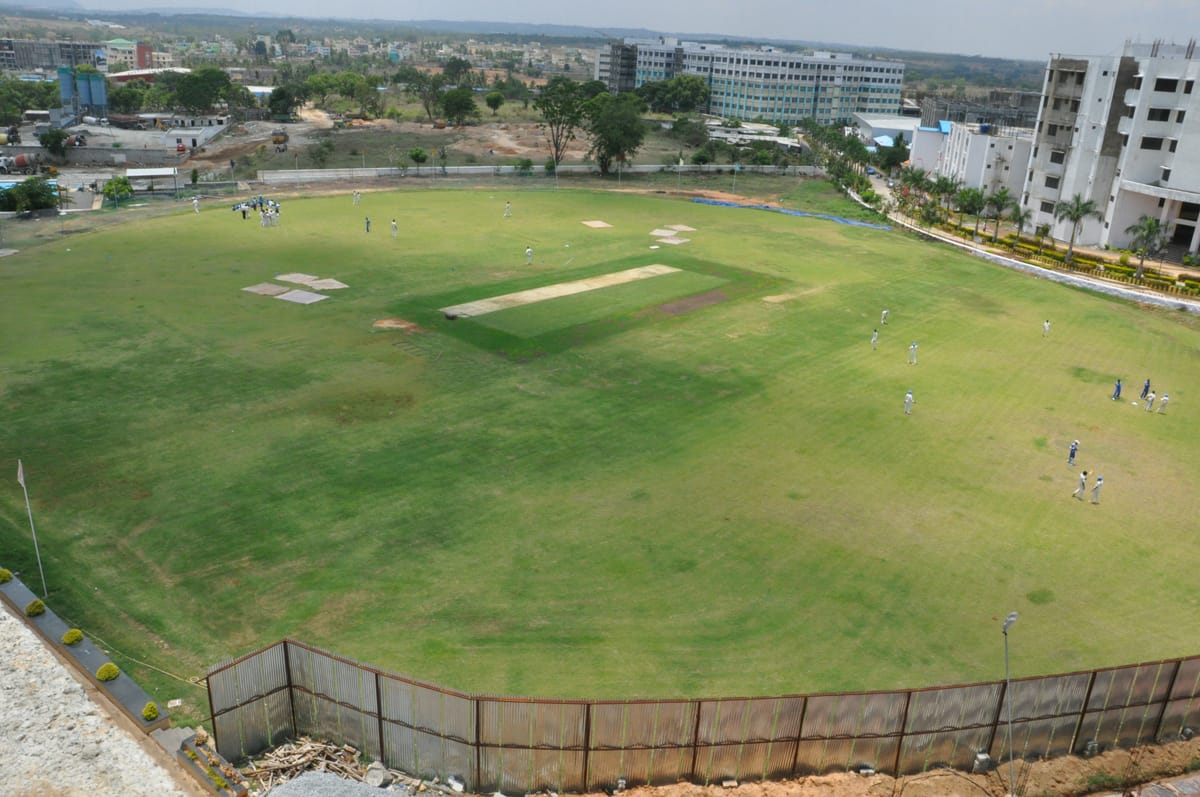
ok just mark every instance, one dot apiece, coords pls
pixel 1124 132
pixel 764 83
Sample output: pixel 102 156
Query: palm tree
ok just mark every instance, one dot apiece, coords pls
pixel 1075 210
pixel 944 188
pixel 1147 234
pixel 971 202
pixel 998 203
pixel 1019 216
pixel 1042 231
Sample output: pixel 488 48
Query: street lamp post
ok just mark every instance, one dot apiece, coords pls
pixel 1012 761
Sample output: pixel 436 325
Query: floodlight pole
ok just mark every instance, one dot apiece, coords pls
pixel 1012 762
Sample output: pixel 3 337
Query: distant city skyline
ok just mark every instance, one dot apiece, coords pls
pixel 1024 29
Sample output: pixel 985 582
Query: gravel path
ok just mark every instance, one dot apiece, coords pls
pixel 54 740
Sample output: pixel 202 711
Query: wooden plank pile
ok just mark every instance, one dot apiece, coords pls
pixel 303 755
pixel 306 754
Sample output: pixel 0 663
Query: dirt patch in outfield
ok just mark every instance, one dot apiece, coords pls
pixel 687 305
pixel 397 323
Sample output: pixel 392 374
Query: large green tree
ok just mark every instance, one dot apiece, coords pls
pixel 1147 239
pixel 424 87
pixel 31 194
pixel 893 157
pixel 200 89
pixel 681 94
pixel 118 188
pixel 18 96
pixel 1075 210
pixel 561 105
pixel 284 99
pixel 494 100
pixel 459 106
pixel 615 127
pixel 55 141
pixel 458 72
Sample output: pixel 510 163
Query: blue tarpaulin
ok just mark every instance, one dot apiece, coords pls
pixel 787 212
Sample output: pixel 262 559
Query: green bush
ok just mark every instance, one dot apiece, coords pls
pixel 1124 258
pixel 150 712
pixel 1102 781
pixel 73 636
pixel 35 608
pixel 5 575
pixel 107 671
pixel 216 778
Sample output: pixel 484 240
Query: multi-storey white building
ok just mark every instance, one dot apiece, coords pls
pixel 986 157
pixel 1124 132
pixel 762 83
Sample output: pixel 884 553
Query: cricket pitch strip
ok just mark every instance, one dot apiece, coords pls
pixel 505 301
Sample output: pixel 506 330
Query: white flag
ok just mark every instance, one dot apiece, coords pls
pixel 20 474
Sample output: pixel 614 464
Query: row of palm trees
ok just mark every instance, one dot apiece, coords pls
pixel 932 197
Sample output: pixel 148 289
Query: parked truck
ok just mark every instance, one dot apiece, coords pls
pixel 127 121
pixel 279 137
pixel 22 164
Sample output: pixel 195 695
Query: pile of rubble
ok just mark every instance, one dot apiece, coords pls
pixel 291 760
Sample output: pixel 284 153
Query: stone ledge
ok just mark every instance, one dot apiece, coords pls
pixel 86 657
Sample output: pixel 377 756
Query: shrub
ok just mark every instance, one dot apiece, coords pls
pixel 217 780
pixel 1124 258
pixel 150 712
pixel 73 636
pixel 35 608
pixel 5 575
pixel 107 672
pixel 551 166
pixel 524 166
pixel 1102 781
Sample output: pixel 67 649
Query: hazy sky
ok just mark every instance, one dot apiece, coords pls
pixel 1031 29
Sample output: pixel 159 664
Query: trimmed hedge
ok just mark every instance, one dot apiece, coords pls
pixel 5 575
pixel 150 712
pixel 108 672
pixel 73 636
pixel 35 608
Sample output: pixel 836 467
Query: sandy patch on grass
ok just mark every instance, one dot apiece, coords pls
pixel 681 228
pixel 673 241
pixel 327 285
pixel 298 278
pixel 596 225
pixel 779 298
pixel 661 233
pixel 302 297
pixel 267 289
pixel 494 303
pixel 397 323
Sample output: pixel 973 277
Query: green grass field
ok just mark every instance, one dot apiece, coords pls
pixel 591 496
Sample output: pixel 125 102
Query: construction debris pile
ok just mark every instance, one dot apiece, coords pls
pixel 292 759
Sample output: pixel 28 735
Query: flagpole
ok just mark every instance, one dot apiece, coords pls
pixel 29 509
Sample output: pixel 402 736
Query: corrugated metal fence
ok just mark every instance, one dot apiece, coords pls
pixel 519 745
